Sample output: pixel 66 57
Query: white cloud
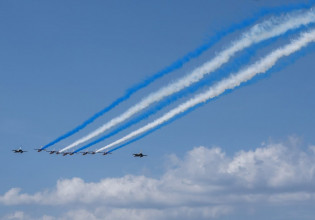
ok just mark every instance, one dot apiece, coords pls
pixel 312 148
pixel 206 183
pixel 17 215
pixel 144 214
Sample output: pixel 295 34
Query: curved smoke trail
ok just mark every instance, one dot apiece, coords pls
pixel 176 65
pixel 268 29
pixel 235 80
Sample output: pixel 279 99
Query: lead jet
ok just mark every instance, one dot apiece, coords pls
pixel 19 150
pixel 139 155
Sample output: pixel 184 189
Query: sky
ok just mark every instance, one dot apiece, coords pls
pixel 248 153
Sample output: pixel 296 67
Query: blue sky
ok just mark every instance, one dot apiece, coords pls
pixel 62 61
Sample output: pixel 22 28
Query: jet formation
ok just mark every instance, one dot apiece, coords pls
pixel 72 153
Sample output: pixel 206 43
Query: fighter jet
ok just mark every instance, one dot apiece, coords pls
pixel 85 153
pixel 105 153
pixel 19 150
pixel 39 149
pixel 139 155
pixel 52 151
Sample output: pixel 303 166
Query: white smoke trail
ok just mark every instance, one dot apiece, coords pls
pixel 231 82
pixel 271 28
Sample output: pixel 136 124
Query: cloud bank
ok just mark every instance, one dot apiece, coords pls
pixel 206 183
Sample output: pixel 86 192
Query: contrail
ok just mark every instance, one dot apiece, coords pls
pixel 268 29
pixel 235 80
pixel 176 65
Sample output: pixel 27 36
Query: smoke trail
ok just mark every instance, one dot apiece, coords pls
pixel 146 114
pixel 237 63
pixel 235 80
pixel 177 65
pixel 278 67
pixel 265 30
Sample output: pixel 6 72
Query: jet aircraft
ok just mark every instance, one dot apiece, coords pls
pixel 38 149
pixel 19 150
pixel 105 153
pixel 139 155
pixel 52 151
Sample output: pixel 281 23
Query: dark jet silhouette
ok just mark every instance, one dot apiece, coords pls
pixel 19 150
pixel 139 155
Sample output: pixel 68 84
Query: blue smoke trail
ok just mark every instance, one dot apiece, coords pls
pixel 178 64
pixel 217 75
pixel 290 60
